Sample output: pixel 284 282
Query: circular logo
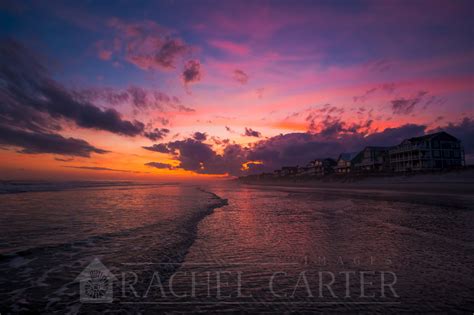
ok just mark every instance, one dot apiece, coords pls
pixel 97 286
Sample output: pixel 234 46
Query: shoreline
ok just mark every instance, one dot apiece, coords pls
pixel 454 182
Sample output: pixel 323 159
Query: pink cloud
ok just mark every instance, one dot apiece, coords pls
pixel 230 47
pixel 145 44
pixel 105 54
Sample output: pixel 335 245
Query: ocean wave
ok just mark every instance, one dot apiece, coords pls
pixel 14 187
pixel 160 246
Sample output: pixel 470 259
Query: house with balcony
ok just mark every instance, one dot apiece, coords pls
pixel 344 163
pixel 372 159
pixel 434 151
pixel 288 171
pixel 320 167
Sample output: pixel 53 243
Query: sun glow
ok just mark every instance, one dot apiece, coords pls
pixel 245 166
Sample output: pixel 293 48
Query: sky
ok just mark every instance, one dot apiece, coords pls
pixel 169 90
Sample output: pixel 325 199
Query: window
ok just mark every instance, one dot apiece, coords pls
pixel 436 153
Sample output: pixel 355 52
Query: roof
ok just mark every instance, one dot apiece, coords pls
pixel 377 148
pixel 442 134
pixel 347 156
pixel 323 159
pixel 95 266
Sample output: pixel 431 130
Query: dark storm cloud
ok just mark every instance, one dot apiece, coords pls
pixel 201 158
pixel 240 76
pixel 393 136
pixel 160 165
pixel 200 136
pixel 192 72
pixel 406 106
pixel 292 149
pixel 157 134
pixel 26 84
pixel 39 142
pixel 249 132
pixel 159 147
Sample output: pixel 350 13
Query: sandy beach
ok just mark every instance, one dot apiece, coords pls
pixel 453 182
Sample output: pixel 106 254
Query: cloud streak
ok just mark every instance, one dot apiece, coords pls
pixel 40 142
pixel 97 168
pixel 160 165
pixel 404 106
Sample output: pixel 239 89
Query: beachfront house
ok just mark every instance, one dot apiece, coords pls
pixel 303 171
pixel 372 159
pixel 320 167
pixel 344 164
pixel 430 152
pixel 288 171
pixel 265 176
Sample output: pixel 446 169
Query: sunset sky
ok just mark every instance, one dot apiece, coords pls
pixel 201 89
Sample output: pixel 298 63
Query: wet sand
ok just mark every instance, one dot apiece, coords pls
pixel 455 182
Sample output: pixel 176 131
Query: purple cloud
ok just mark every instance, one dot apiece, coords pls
pixel 160 147
pixel 249 132
pixel 240 76
pixel 157 134
pixel 200 136
pixel 192 72
pixel 404 106
pixel 30 92
pixel 160 165
pixel 40 142
pixel 146 44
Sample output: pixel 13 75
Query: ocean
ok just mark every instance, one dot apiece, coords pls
pixel 95 247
